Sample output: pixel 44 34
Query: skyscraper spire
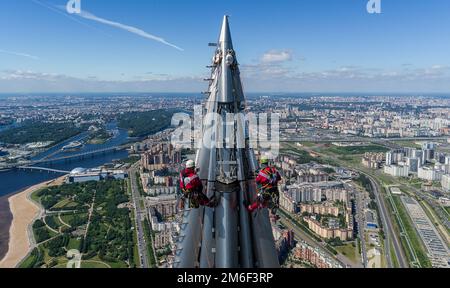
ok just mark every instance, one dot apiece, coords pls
pixel 225 35
pixel 226 236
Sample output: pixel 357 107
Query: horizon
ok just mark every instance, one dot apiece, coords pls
pixel 308 46
pixel 251 93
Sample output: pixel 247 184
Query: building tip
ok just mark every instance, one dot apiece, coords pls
pixel 225 35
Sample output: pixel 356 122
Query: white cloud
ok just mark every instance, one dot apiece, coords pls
pixel 30 81
pixel 87 15
pixel 19 54
pixel 276 56
pixel 131 29
pixel 256 77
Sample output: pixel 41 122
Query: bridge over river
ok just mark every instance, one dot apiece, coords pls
pixel 33 163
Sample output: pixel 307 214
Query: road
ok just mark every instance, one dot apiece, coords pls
pixel 361 222
pixel 387 227
pixel 91 210
pixel 142 247
pixel 349 138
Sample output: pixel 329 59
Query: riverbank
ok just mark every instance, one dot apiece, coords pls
pixel 5 224
pixel 24 212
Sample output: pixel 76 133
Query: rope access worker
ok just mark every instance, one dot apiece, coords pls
pixel 192 187
pixel 267 181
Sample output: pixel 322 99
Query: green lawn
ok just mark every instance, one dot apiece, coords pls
pixel 86 264
pixel 348 251
pixel 35 197
pixel 409 143
pixel 393 256
pixel 65 204
pixel 32 261
pixel 74 244
pixel 118 264
pixel 90 264
pixel 357 150
pixel 308 144
pixel 61 203
pixel 53 222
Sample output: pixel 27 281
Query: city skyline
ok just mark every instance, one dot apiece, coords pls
pixel 304 46
pixel 235 134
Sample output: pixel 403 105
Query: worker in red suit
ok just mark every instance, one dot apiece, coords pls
pixel 192 187
pixel 267 181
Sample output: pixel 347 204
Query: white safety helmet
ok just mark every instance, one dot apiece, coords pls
pixel 190 164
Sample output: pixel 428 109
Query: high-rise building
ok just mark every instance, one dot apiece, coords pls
pixel 430 174
pixel 397 170
pixel 413 164
pixel 305 193
pixel 227 235
pixel 445 182
pixel 389 158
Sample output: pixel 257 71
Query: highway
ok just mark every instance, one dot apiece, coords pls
pixel 387 227
pixel 142 247
pixel 349 138
pixel 361 223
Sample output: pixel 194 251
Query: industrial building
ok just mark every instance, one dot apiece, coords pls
pixel 80 175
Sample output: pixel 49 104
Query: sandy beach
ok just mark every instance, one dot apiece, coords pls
pixel 24 212
pixel 5 223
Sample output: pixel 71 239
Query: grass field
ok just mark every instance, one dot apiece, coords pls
pixel 53 222
pixel 34 196
pixel 67 217
pixel 416 242
pixel 65 204
pixel 32 260
pixel 86 264
pixel 73 244
pixel 52 252
pixel 90 264
pixel 409 143
pixel 349 251
pixel 357 150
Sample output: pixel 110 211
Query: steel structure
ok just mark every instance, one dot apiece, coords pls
pixel 227 235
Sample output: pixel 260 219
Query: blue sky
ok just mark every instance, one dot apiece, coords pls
pixel 282 46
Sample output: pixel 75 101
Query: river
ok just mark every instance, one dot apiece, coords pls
pixel 16 180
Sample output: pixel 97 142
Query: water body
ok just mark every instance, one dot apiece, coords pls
pixel 17 180
pixel 14 181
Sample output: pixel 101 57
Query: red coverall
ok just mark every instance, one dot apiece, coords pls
pixel 191 184
pixel 267 180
